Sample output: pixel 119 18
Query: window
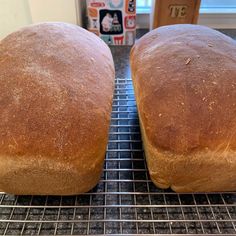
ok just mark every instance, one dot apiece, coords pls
pixel 144 6
pixel 144 3
pixel 218 4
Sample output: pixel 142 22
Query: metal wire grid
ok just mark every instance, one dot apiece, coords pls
pixel 125 201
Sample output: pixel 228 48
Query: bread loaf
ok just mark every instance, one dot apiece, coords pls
pixel 185 86
pixel 56 87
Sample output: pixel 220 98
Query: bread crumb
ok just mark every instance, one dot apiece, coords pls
pixel 188 61
pixel 204 99
pixel 159 114
pixel 10 147
pixel 214 82
pixel 182 103
pixel 198 56
pixel 203 81
pixel 158 67
pixel 210 45
pixel 210 105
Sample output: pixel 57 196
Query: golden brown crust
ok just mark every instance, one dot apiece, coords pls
pixel 202 171
pixel 56 86
pixel 185 86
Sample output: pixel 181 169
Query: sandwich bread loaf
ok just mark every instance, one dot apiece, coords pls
pixel 185 86
pixel 56 87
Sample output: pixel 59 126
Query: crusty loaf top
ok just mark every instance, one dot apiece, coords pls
pixel 56 85
pixel 185 84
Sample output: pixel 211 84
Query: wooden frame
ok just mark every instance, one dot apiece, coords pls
pixel 166 12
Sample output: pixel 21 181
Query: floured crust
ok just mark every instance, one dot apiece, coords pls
pixel 185 86
pixel 56 87
pixel 36 175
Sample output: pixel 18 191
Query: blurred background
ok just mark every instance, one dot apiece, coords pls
pixel 17 13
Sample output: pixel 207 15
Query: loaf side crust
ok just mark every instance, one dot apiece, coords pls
pixel 39 175
pixel 202 171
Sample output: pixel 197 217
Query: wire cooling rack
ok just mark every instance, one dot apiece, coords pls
pixel 125 201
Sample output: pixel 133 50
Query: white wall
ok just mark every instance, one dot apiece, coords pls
pixel 53 10
pixel 13 14
pixel 17 13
